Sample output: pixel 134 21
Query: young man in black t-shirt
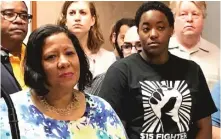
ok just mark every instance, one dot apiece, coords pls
pixel 156 94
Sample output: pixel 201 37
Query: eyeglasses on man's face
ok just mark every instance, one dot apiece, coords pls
pixel 11 16
pixel 129 46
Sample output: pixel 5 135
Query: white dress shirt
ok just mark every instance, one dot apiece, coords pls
pixel 204 53
pixel 101 61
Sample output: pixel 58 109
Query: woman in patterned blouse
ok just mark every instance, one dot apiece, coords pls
pixel 52 108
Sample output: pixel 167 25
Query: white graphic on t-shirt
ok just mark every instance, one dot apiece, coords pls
pixel 166 105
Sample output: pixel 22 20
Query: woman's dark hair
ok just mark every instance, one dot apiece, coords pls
pixel 124 21
pixel 154 5
pixel 34 75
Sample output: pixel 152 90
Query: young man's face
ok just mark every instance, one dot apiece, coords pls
pixel 131 42
pixel 154 32
pixel 188 20
pixel 121 35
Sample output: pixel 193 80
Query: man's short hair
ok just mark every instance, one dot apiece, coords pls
pixel 175 5
pixel 154 5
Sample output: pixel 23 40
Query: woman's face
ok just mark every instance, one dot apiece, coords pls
pixel 79 19
pixel 60 61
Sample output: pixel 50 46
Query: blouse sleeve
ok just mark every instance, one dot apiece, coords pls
pixel 5 132
pixel 114 125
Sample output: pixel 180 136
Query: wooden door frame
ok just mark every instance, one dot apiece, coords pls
pixel 34 14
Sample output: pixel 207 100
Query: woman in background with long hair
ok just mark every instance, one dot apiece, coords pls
pixel 81 18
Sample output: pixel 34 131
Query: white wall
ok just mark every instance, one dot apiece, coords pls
pixel 211 30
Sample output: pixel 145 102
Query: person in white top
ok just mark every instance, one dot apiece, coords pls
pixel 131 42
pixel 81 18
pixel 187 41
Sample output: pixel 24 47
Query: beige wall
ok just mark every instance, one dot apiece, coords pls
pixel 48 12
pixel 211 29
pixel 109 13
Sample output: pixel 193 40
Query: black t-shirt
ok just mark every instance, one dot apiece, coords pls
pixel 158 101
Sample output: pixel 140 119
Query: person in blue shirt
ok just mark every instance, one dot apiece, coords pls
pixel 216 115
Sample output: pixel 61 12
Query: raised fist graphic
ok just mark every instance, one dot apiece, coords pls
pixel 165 103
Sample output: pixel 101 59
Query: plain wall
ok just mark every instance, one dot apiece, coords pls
pixel 28 3
pixel 48 12
pixel 211 30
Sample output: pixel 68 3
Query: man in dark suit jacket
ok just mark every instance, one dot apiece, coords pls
pixel 14 28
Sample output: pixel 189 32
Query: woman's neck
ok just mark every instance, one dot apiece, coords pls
pixel 153 59
pixel 60 98
pixel 188 41
pixel 84 41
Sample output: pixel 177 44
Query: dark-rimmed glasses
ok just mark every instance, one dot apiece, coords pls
pixel 11 16
pixel 129 46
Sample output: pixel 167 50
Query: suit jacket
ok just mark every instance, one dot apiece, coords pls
pixel 9 84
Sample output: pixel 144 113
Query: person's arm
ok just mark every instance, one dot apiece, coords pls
pixel 117 130
pixel 114 87
pixel 216 116
pixel 5 132
pixel 215 132
pixel 96 84
pixel 205 129
pixel 204 107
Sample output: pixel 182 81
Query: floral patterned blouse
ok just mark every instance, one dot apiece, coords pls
pixel 98 122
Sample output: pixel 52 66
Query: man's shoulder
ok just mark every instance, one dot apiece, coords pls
pixel 176 58
pixel 182 61
pixel 131 58
pixel 127 61
pixel 204 44
pixel 173 42
pixel 209 46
